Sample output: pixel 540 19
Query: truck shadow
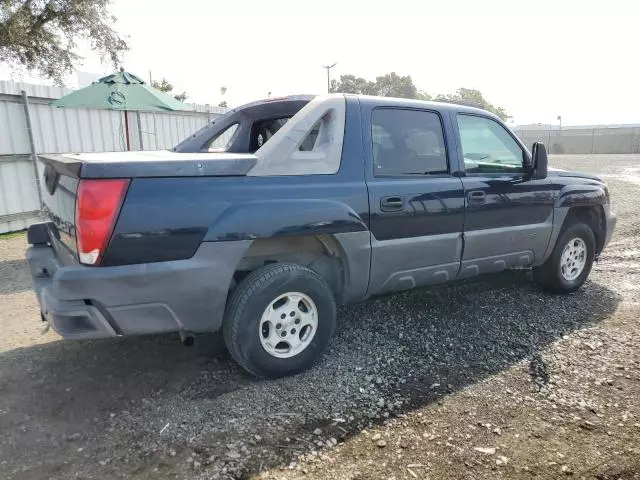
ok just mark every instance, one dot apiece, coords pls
pixel 390 355
pixel 15 276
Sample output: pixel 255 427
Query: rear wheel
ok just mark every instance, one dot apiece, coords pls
pixel 279 320
pixel 569 265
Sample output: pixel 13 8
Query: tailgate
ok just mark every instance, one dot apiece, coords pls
pixel 60 176
pixel 59 183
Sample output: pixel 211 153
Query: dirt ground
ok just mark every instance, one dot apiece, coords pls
pixel 486 379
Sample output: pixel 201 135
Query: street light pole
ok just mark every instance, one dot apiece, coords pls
pixel 329 67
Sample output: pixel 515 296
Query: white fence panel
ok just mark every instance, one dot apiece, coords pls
pixel 18 194
pixel 63 130
pixel 59 130
pixel 9 87
pixel 13 131
pixel 162 130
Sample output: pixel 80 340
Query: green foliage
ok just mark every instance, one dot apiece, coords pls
pixel 223 104
pixel 164 86
pixel 473 98
pixel 352 84
pixel 9 236
pixel 41 35
pixel 389 85
pixel 393 85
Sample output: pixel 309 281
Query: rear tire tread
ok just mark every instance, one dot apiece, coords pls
pixel 252 284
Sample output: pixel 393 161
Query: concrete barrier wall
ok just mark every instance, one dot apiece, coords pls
pixel 585 140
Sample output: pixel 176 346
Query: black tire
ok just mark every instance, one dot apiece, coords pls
pixel 247 304
pixel 549 275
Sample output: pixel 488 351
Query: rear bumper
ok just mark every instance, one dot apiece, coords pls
pixel 94 302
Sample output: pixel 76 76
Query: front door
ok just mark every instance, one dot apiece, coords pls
pixel 416 205
pixel 508 216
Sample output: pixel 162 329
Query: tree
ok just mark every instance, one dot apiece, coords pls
pixel 42 35
pixel 472 98
pixel 422 95
pixel 223 104
pixel 164 86
pixel 352 84
pixel 389 85
pixel 394 85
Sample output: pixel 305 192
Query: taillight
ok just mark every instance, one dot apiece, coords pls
pixel 97 205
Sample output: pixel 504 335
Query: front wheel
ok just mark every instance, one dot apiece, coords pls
pixel 279 320
pixel 569 265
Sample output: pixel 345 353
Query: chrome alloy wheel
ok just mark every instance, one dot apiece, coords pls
pixel 573 259
pixel 288 325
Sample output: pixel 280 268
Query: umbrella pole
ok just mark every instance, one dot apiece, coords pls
pixel 126 130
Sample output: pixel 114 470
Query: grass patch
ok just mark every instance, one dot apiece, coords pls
pixel 9 236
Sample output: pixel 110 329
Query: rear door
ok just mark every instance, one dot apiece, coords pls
pixel 416 204
pixel 508 216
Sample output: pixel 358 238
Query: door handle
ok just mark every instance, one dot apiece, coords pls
pixel 477 197
pixel 392 204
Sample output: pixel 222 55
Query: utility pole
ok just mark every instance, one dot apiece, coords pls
pixel 560 120
pixel 329 67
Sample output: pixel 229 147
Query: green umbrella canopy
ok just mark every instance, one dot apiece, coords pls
pixel 121 91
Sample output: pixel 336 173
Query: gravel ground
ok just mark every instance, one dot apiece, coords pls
pixel 486 379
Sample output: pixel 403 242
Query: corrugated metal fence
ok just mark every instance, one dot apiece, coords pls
pixel 62 130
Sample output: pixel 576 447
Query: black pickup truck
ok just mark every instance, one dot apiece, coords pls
pixel 262 222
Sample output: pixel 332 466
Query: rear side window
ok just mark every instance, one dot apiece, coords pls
pixel 407 142
pixel 309 143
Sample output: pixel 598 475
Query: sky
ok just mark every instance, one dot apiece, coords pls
pixel 537 59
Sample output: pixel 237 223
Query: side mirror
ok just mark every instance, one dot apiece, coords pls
pixel 539 161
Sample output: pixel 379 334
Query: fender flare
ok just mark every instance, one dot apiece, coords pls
pixel 571 196
pixel 581 196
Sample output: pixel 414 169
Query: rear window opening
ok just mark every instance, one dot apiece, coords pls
pixel 246 128
pixel 261 133
pixel 224 139
pixel 263 130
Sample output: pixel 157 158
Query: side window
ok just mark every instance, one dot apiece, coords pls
pixel 221 142
pixel 487 147
pixel 309 143
pixel 407 142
